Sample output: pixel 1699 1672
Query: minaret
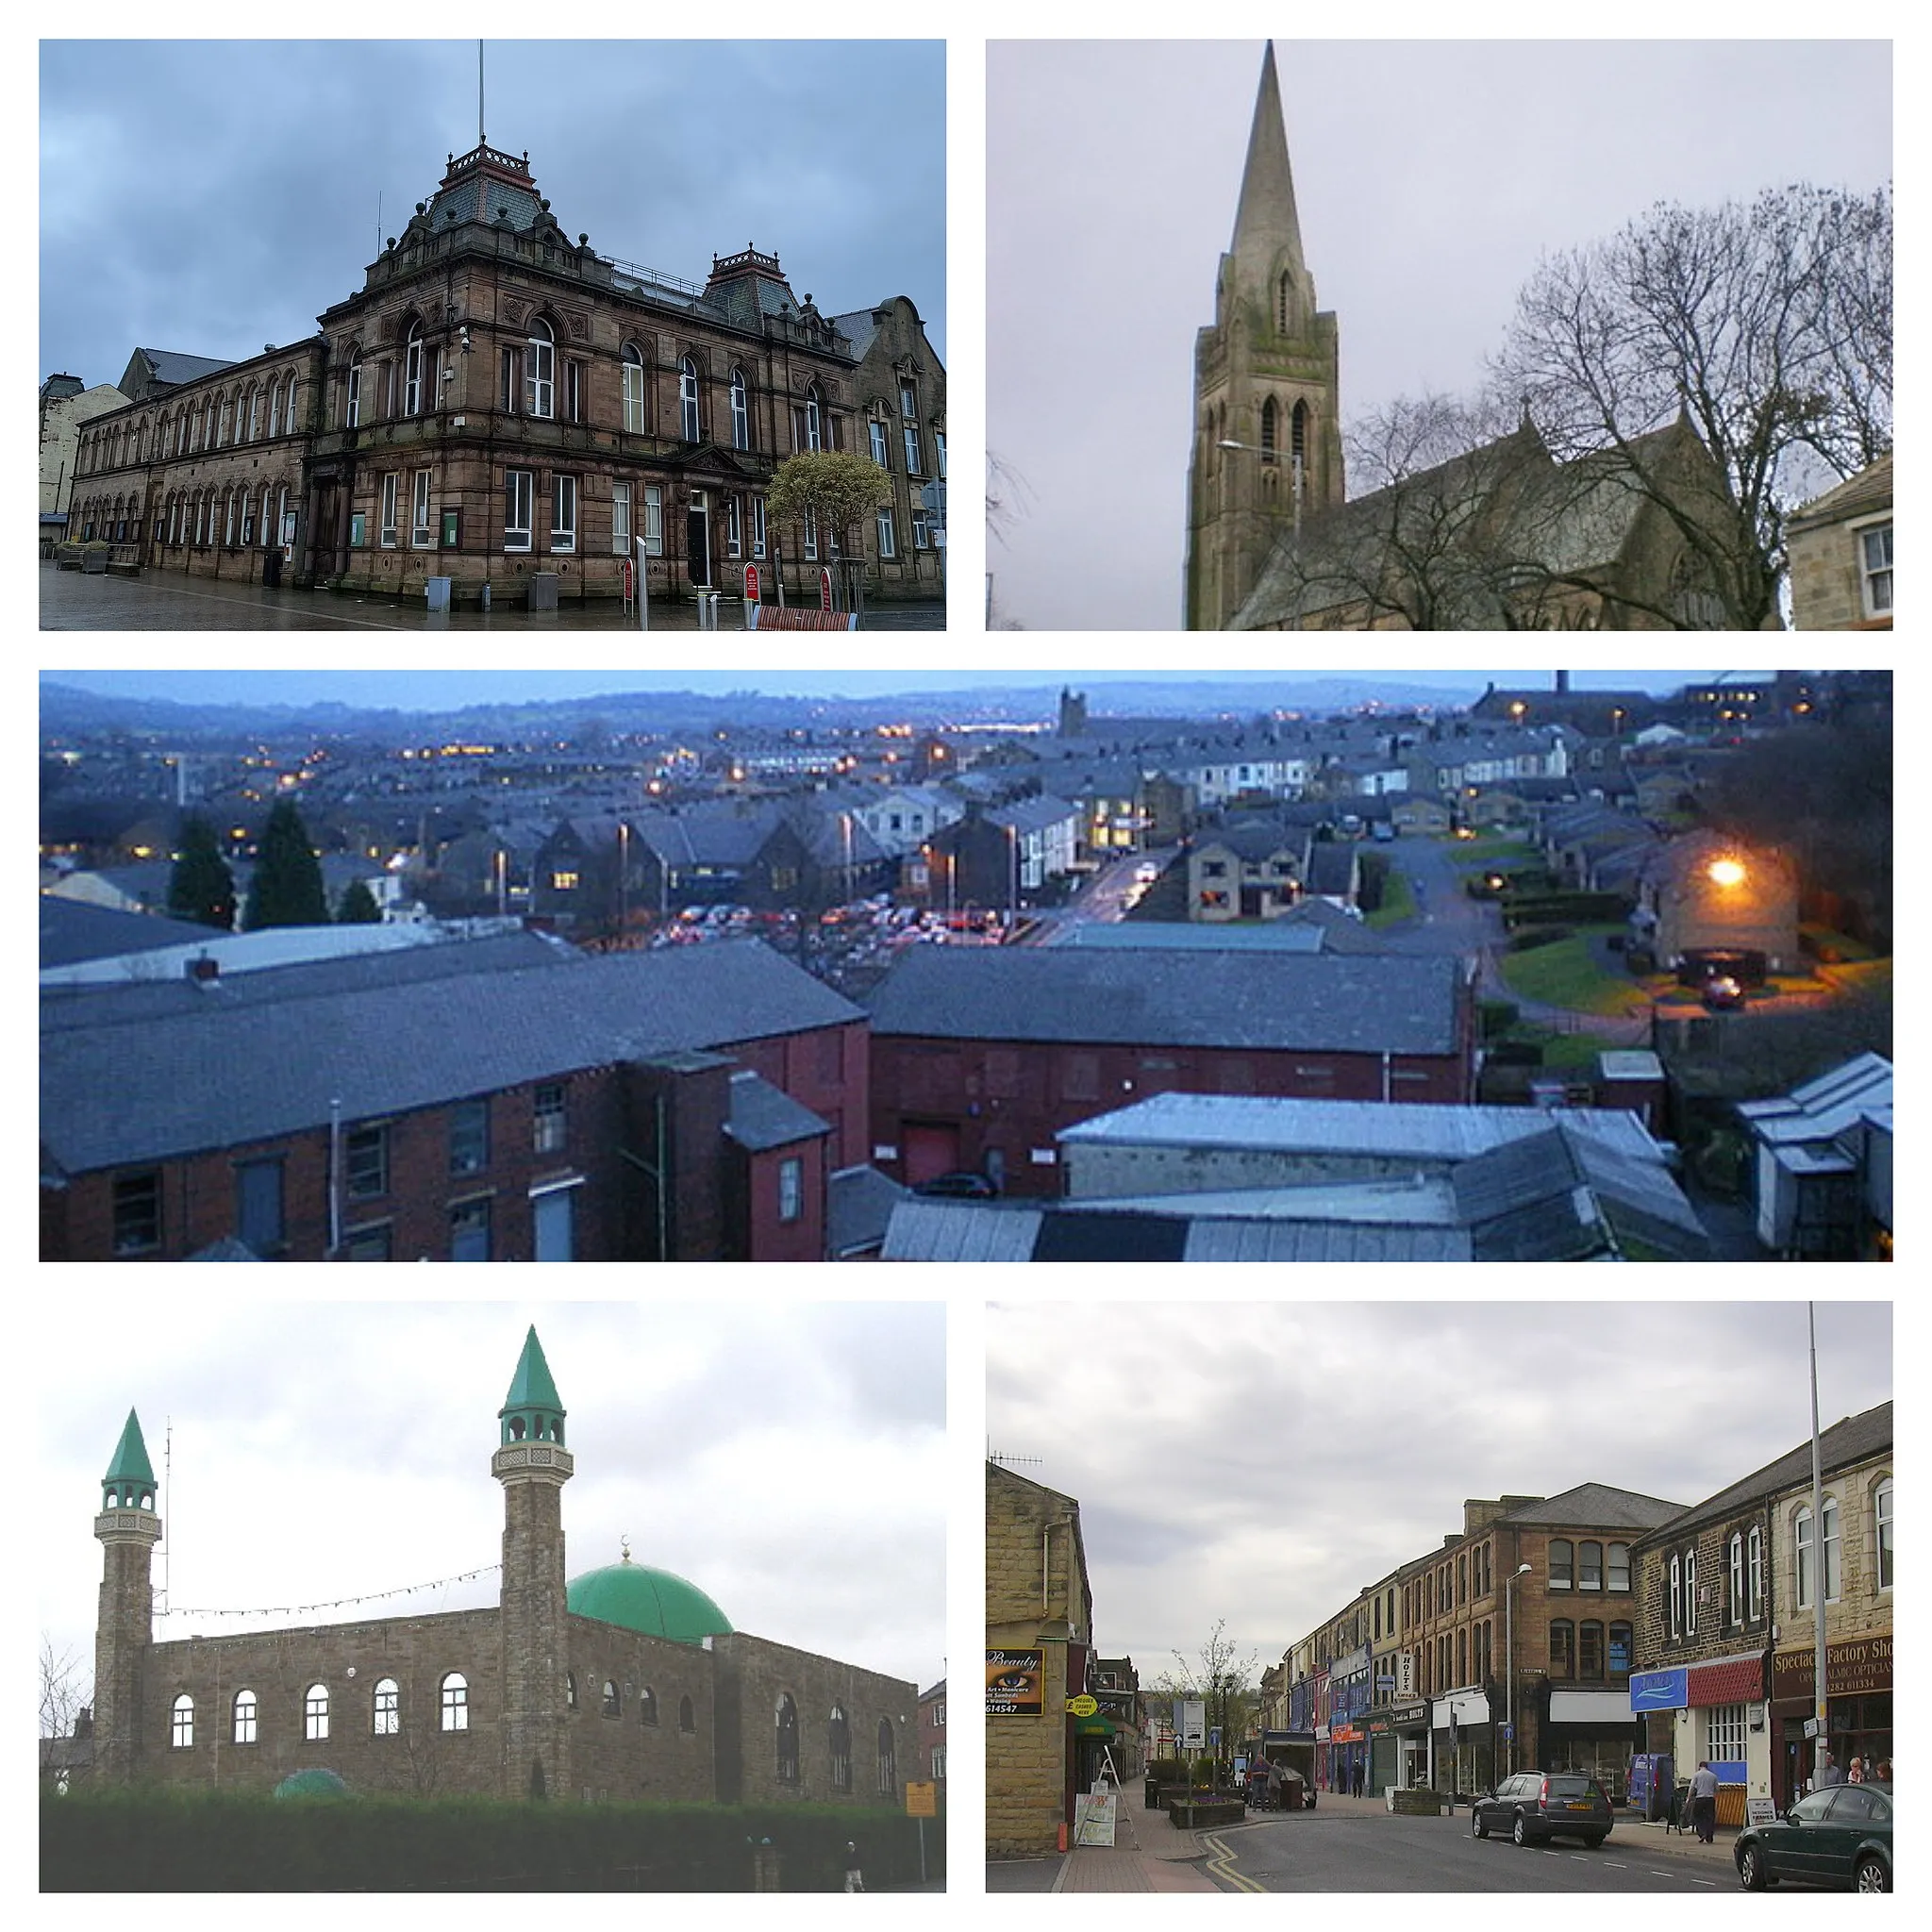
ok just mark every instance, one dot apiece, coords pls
pixel 1266 376
pixel 533 1465
pixel 128 1530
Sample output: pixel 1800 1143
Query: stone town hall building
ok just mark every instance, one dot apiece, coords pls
pixel 625 1683
pixel 499 399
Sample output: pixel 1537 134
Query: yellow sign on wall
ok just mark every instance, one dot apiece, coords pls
pixel 922 1799
pixel 1083 1706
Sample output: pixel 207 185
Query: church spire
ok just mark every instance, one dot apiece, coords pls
pixel 1267 231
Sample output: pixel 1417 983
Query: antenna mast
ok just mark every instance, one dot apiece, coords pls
pixel 480 142
pixel 168 1504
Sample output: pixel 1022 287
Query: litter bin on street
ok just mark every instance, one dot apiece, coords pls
pixel 436 592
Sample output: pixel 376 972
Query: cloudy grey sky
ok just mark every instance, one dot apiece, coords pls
pixel 211 196
pixel 411 690
pixel 1429 176
pixel 788 1457
pixel 1266 1460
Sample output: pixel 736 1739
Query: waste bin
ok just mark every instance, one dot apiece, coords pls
pixel 436 592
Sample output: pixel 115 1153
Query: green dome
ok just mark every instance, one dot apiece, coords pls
pixel 635 1597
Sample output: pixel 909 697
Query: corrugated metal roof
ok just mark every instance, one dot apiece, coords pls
pixel 931 1230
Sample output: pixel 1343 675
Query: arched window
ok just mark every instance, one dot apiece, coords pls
pixel 230 499
pixel 289 404
pixel 840 1739
pixel 1618 1555
pixel 613 1699
pixel 740 411
pixel 687 1717
pixel 1735 1551
pixel 647 1706
pixel 315 1713
pixel 633 390
pixel 1298 435
pixel 814 418
pixel 1268 430
pixel 1881 1524
pixel 1831 1550
pixel 889 1762
pixel 1754 1559
pixel 274 408
pixel 1677 1595
pixel 352 414
pixel 540 371
pixel 1561 1550
pixel 1689 1593
pixel 786 1739
pixel 386 1708
pixel 254 413
pixel 1284 297
pixel 181 1724
pixel 1562 1647
pixel 1621 1640
pixel 454 1701
pixel 1590 1652
pixel 1589 1566
pixel 413 370
pixel 244 1717
pixel 688 399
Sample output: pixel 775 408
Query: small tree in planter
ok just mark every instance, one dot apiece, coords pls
pixel 840 490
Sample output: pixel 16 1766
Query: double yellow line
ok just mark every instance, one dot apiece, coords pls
pixel 1219 1865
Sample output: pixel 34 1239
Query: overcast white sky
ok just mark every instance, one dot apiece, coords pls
pixel 1429 176
pixel 211 196
pixel 1263 1462
pixel 787 1456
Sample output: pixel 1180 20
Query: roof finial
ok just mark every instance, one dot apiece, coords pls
pixel 624 1544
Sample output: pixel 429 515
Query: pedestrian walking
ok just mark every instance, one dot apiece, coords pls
pixel 1357 1777
pixel 1704 1803
pixel 1829 1772
pixel 854 1878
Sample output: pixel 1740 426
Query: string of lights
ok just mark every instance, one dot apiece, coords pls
pixel 341 1603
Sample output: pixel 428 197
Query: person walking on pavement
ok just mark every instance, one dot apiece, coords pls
pixel 1829 1771
pixel 854 1878
pixel 1704 1803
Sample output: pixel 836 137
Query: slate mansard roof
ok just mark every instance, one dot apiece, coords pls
pixel 122 1082
pixel 1595 1506
pixel 1384 1003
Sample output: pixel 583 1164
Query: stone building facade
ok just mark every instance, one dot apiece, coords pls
pixel 1840 546
pixel 1039 1653
pixel 66 403
pixel 498 401
pixel 622 1683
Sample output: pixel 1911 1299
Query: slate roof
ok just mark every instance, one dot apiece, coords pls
pixel 1383 1003
pixel 764 1116
pixel 1855 1440
pixel 859 1204
pixel 1595 1505
pixel 860 328
pixel 170 366
pixel 1171 935
pixel 72 930
pixel 256 1067
pixel 1869 491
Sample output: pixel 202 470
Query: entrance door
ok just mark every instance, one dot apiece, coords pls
pixel 931 1149
pixel 698 544
pixel 555 1216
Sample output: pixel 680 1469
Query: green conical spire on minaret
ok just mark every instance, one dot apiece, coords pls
pixel 129 1482
pixel 532 1410
pixel 1266 227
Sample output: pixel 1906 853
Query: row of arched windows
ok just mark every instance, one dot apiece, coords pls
pixel 222 418
pixel 1578 1650
pixel 838 1748
pixel 385 1712
pixel 610 1703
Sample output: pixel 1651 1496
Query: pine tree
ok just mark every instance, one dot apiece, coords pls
pixel 286 889
pixel 358 906
pixel 201 886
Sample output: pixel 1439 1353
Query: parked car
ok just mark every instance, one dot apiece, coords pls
pixel 1723 993
pixel 1839 1836
pixel 959 1187
pixel 1538 1804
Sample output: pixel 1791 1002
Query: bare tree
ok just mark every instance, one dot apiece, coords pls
pixel 1222 1678
pixel 1766 328
pixel 66 1690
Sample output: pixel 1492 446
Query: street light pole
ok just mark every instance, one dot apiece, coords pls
pixel 1509 1661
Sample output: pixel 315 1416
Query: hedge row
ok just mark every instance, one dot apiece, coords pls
pixel 143 1840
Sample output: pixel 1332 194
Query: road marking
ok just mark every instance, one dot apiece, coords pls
pixel 1221 1864
pixel 1613 1864
pixel 1655 1874
pixel 1703 1881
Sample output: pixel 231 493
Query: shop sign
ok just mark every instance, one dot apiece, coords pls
pixel 1014 1682
pixel 1659 1689
pixel 1850 1669
pixel 1416 1711
pixel 1344 1734
pixel 1761 1810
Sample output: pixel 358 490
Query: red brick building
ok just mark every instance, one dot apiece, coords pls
pixel 981 1055
pixel 495 1100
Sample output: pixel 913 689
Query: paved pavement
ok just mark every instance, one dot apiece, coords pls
pixel 165 600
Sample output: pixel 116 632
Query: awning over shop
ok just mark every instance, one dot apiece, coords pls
pixel 1590 1708
pixel 1469 1708
pixel 1728 1680
pixel 1095 1726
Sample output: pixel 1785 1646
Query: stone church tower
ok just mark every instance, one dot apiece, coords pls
pixel 533 1465
pixel 1266 376
pixel 124 1631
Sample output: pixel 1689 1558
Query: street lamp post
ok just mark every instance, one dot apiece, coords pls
pixel 1509 1660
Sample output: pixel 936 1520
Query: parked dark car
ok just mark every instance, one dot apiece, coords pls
pixel 959 1187
pixel 1839 1836
pixel 1538 1804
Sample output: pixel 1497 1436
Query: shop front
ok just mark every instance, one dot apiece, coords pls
pixel 1716 1712
pixel 1348 1705
pixel 1464 1743
pixel 1591 1731
pixel 1858 1687
pixel 1399 1745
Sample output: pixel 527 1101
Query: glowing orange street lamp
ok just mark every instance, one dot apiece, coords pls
pixel 1727 872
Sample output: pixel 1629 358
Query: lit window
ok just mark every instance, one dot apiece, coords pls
pixel 456 1702
pixel 633 390
pixel 244 1717
pixel 688 399
pixel 740 412
pixel 1874 569
pixel 518 490
pixel 540 358
pixel 315 1713
pixel 386 1710
pixel 181 1724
